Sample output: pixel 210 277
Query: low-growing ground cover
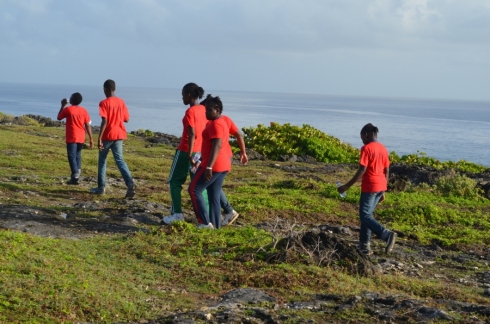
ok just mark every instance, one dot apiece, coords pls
pixel 161 270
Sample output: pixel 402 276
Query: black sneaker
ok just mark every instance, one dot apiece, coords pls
pixel 131 191
pixel 73 181
pixel 390 242
pixel 367 252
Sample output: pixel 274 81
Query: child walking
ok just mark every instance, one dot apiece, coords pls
pixel 216 163
pixel 373 169
pixel 77 123
pixel 114 114
pixel 194 122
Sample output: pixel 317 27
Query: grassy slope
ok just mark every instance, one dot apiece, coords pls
pixel 142 276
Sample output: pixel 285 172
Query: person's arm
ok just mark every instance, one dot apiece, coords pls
pixel 64 102
pixel 216 142
pixel 88 128
pixel 192 138
pixel 103 125
pixel 355 178
pixel 386 171
pixel 241 145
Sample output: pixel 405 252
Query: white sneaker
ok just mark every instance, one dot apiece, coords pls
pixel 230 218
pixel 173 218
pixel 209 226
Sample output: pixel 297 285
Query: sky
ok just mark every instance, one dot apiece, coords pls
pixel 436 49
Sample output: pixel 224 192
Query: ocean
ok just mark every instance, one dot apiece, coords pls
pixel 444 129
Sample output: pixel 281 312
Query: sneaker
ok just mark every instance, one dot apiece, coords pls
pixel 131 191
pixel 209 226
pixel 390 242
pixel 73 181
pixel 98 190
pixel 230 218
pixel 173 218
pixel 367 252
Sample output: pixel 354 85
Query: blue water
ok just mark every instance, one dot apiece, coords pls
pixel 446 130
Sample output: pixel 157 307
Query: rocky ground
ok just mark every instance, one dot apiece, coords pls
pixel 322 243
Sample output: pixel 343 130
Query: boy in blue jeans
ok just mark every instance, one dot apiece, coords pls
pixel 374 166
pixel 114 114
pixel 77 123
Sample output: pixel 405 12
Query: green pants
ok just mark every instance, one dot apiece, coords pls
pixel 178 176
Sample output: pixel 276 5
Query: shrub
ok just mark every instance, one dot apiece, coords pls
pixel 4 118
pixel 457 185
pixel 25 120
pixel 277 140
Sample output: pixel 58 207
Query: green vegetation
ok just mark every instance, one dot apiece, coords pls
pixel 277 140
pixel 121 278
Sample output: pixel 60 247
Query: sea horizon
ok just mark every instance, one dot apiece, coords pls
pixel 446 129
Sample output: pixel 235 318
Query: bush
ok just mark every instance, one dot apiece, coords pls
pixel 277 140
pixel 4 118
pixel 458 185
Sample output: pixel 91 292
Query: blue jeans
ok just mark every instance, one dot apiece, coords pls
pixel 223 201
pixel 213 188
pixel 74 151
pixel 367 203
pixel 117 151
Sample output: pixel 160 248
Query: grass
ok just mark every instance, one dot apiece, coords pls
pixel 111 278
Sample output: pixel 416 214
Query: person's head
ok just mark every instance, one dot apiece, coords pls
pixel 191 92
pixel 109 87
pixel 369 133
pixel 75 99
pixel 214 107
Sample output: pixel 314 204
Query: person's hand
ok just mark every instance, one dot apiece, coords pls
pixel 383 197
pixel 342 189
pixel 101 146
pixel 243 158
pixel 208 174
pixel 64 102
pixel 91 144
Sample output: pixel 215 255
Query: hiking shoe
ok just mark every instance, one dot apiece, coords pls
pixel 173 218
pixel 230 218
pixel 98 191
pixel 390 242
pixel 367 252
pixel 202 226
pixel 73 181
pixel 131 191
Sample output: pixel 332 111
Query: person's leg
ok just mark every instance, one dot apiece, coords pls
pixel 196 187
pixel 214 193
pixel 367 203
pixel 71 150
pixel 204 193
pixel 224 203
pixel 79 159
pixel 117 152
pixel 230 215
pixel 101 165
pixel 178 176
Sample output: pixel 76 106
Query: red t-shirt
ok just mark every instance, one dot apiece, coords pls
pixel 374 156
pixel 76 118
pixel 221 127
pixel 114 110
pixel 194 117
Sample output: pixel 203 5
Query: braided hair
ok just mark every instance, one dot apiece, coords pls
pixel 213 103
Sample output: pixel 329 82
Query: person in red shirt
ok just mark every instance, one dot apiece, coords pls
pixel 216 163
pixel 374 166
pixel 194 122
pixel 114 114
pixel 77 123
